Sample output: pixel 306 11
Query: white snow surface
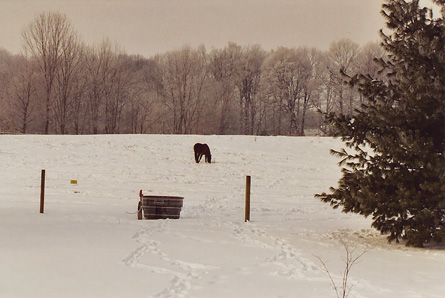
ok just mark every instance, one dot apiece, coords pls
pixel 89 243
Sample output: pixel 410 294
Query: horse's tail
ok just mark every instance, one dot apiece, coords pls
pixel 207 153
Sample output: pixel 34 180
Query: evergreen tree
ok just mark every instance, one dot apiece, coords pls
pixel 396 172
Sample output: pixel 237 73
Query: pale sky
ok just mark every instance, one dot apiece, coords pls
pixel 148 27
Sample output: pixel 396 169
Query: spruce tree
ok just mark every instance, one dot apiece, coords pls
pixel 395 168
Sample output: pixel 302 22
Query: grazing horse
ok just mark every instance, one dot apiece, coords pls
pixel 200 150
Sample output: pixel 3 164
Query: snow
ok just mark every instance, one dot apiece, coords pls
pixel 89 243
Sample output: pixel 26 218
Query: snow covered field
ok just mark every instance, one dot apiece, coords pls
pixel 89 243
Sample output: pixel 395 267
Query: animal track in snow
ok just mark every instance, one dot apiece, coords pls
pixel 291 262
pixel 183 272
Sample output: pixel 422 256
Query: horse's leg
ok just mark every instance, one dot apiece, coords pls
pixel 196 157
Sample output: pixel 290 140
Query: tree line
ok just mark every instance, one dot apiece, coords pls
pixel 61 85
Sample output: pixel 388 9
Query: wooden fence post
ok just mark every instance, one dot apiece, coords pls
pixel 248 183
pixel 42 192
pixel 140 205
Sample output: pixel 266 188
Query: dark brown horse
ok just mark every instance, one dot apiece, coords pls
pixel 200 150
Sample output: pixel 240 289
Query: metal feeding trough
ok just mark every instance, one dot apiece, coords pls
pixel 161 207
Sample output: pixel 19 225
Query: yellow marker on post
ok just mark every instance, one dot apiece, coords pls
pixel 73 181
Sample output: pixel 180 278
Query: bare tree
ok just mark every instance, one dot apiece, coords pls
pixel 223 69
pixel 115 84
pixel 328 79
pixel 22 91
pixel 142 111
pixel 117 92
pixel 184 74
pixel 79 103
pixel 286 78
pixel 101 68
pixel 67 79
pixel 247 84
pixel 6 60
pixel 45 39
pixel 95 57
pixel 369 54
pixel 366 59
pixel 342 59
pixel 326 102
pixel 312 87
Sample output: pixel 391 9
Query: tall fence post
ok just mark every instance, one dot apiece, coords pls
pixel 42 192
pixel 140 205
pixel 248 183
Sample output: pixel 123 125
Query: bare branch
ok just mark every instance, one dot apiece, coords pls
pixel 343 290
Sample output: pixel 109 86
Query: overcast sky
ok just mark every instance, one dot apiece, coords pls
pixel 148 27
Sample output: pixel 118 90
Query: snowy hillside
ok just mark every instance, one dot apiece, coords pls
pixel 89 243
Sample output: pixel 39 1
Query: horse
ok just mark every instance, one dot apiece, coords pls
pixel 200 150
